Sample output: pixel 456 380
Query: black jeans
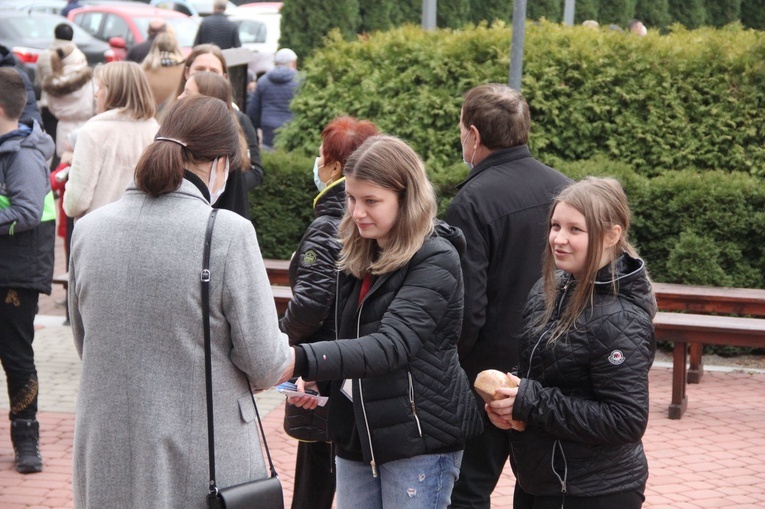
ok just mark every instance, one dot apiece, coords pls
pixel 482 464
pixel 626 500
pixel 18 307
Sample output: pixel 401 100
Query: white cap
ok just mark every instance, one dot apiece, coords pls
pixel 284 56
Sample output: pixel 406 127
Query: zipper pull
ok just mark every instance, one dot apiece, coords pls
pixel 374 468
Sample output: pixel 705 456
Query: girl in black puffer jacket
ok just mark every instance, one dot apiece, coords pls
pixel 400 418
pixel 584 360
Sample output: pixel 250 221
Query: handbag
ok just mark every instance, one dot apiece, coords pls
pixel 262 493
pixel 306 425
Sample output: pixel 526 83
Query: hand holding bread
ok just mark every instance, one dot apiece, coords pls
pixel 487 384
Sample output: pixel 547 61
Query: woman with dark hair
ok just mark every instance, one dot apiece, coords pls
pixel 240 183
pixel 313 269
pixel 135 299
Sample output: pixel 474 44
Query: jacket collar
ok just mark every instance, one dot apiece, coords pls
pixel 326 191
pixel 497 157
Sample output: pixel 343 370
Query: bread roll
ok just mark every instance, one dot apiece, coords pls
pixel 486 384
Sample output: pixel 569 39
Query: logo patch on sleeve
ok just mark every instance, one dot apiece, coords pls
pixel 309 257
pixel 616 357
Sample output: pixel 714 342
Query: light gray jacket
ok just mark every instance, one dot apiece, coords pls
pixel 134 291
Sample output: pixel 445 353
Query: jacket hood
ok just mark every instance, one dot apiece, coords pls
pixel 281 74
pixel 453 234
pixel 632 282
pixel 30 136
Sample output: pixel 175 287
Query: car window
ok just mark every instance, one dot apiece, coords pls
pixel 252 31
pixel 173 6
pixel 90 21
pixel 185 28
pixel 115 26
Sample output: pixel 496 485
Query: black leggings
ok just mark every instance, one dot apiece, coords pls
pixel 627 500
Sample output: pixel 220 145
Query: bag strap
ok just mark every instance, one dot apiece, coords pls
pixel 205 278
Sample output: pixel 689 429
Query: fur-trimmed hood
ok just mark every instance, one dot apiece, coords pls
pixel 70 71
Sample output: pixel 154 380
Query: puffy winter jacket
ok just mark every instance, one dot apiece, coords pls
pixel 410 395
pixel 27 210
pixel 269 106
pixel 310 313
pixel 585 399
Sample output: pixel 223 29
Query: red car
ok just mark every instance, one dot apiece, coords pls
pixel 123 25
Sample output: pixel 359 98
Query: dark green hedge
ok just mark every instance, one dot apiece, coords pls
pixel 688 100
pixel 695 228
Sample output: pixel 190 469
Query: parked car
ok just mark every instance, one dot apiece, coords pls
pixel 191 7
pixel 27 34
pixel 53 6
pixel 259 30
pixel 124 25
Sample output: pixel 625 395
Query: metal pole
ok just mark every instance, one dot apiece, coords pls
pixel 516 45
pixel 568 12
pixel 429 14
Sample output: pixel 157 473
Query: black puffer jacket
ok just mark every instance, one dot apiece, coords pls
pixel 310 313
pixel 585 399
pixel 411 397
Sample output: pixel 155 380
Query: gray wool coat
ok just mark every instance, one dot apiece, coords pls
pixel 134 291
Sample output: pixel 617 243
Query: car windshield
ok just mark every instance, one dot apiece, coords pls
pixel 185 29
pixel 28 28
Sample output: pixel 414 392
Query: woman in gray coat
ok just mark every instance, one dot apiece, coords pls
pixel 134 292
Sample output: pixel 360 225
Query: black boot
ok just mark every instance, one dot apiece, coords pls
pixel 25 435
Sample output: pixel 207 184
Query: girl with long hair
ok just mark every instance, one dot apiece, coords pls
pixel 402 408
pixel 235 196
pixel 584 360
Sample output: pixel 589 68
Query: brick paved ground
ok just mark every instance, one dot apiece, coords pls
pixel 713 457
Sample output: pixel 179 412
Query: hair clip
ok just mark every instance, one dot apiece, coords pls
pixel 172 140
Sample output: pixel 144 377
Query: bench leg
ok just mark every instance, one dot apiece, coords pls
pixel 696 370
pixel 679 400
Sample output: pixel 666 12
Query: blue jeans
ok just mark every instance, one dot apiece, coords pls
pixel 422 482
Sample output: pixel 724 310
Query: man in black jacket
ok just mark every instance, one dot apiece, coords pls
pixel 139 51
pixel 218 29
pixel 502 208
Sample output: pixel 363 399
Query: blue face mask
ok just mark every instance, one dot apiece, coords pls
pixel 321 186
pixel 469 164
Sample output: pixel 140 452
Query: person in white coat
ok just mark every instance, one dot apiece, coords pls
pixel 109 144
pixel 134 292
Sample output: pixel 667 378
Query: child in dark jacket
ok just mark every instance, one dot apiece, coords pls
pixel 584 360
pixel 27 224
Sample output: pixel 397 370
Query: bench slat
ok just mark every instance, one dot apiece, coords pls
pixel 708 299
pixel 709 329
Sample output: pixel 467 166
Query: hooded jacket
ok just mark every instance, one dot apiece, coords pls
pixel 269 105
pixel 410 395
pixel 27 210
pixel 585 398
pixel 70 92
pixel 31 112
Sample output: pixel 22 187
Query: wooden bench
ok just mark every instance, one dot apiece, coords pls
pixel 690 328
pixel 705 300
pixel 278 271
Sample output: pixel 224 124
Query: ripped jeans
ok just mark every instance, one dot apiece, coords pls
pixel 422 482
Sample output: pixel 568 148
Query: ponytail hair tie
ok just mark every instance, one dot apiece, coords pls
pixel 172 140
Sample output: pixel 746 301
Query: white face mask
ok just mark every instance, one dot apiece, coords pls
pixel 213 174
pixel 320 185
pixel 469 164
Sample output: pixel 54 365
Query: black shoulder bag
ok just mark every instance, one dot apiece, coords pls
pixel 262 493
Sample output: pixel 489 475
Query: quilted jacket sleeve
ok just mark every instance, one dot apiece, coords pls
pixel 620 356
pixel 313 289
pixel 411 319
